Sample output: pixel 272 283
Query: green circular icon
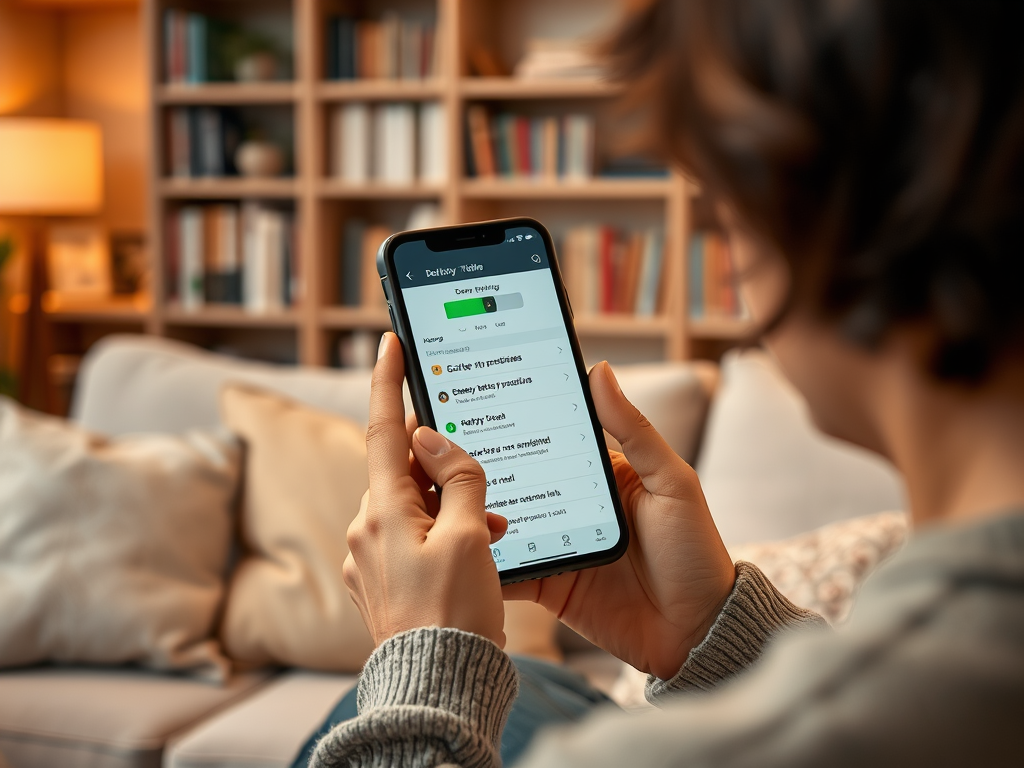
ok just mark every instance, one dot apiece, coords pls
pixel 450 426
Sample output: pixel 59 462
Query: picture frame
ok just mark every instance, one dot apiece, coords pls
pixel 78 262
pixel 129 263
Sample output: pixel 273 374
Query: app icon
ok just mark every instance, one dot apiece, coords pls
pixel 450 426
pixel 442 396
pixel 496 552
pixel 532 547
pixel 436 370
pixel 565 540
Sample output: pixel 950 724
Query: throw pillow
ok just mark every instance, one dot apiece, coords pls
pixel 305 472
pixel 112 551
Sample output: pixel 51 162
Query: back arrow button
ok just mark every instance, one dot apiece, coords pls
pixel 409 275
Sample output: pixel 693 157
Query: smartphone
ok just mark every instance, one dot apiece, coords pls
pixel 494 364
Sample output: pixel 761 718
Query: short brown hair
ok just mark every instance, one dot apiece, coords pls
pixel 877 144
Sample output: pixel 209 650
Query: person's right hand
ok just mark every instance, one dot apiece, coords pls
pixel 658 601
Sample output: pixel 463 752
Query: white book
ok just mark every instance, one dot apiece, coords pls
pixel 264 275
pixel 397 156
pixel 190 271
pixel 350 136
pixel 379 148
pixel 250 274
pixel 433 143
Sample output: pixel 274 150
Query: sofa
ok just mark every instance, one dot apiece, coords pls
pixel 767 473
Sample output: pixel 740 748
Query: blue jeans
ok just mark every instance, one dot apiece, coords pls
pixel 548 695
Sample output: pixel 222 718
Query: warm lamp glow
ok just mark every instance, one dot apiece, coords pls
pixel 50 166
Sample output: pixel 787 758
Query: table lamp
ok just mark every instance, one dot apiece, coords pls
pixel 48 167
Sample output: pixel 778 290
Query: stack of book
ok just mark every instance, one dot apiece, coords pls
pixel 391 48
pixel 518 146
pixel 202 141
pixel 712 281
pixel 390 143
pixel 229 254
pixel 607 270
pixel 193 44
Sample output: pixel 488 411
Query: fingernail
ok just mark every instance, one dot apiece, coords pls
pixel 383 345
pixel 435 443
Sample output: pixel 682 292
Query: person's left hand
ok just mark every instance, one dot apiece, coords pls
pixel 416 560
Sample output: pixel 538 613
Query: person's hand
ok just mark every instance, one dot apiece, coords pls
pixel 658 601
pixel 416 560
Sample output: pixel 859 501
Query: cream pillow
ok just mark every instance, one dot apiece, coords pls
pixel 112 551
pixel 305 473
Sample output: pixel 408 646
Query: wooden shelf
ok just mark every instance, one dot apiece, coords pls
pixel 376 191
pixel 512 88
pixel 721 328
pixel 128 309
pixel 587 189
pixel 227 93
pixel 342 318
pixel 379 90
pixel 230 317
pixel 213 188
pixel 622 326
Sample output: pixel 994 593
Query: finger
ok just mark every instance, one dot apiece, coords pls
pixel 387 444
pixel 411 422
pixel 497 525
pixel 647 452
pixel 424 482
pixel 523 590
pixel 457 473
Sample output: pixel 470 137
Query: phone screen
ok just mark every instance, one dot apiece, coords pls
pixel 503 384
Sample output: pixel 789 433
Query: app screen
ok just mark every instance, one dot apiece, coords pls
pixel 502 384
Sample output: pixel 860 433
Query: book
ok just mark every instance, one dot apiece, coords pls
pixel 712 288
pixel 608 270
pixel 350 132
pixel 517 146
pixel 351 264
pixel 433 143
pixel 191 292
pixel 392 47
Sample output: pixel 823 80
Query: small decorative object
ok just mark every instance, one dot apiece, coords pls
pixel 256 67
pixel 78 262
pixel 128 262
pixel 259 159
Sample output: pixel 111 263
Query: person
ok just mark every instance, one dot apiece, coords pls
pixel 866 158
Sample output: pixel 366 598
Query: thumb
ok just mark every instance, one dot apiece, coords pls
pixel 644 448
pixel 457 474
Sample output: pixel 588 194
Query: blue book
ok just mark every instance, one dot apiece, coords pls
pixel 196 48
pixel 696 270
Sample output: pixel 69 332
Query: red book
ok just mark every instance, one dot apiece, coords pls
pixel 607 262
pixel 523 143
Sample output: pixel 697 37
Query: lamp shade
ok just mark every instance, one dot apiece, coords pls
pixel 50 166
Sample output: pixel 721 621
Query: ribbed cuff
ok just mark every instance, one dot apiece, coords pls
pixel 752 614
pixel 427 696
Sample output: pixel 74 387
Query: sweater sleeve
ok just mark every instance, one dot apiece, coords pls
pixel 754 612
pixel 427 697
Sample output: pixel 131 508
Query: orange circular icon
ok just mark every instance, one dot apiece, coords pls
pixel 436 370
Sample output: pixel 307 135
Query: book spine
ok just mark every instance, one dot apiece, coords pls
pixel 524 166
pixel 696 273
pixel 332 44
pixel 191 289
pixel 607 262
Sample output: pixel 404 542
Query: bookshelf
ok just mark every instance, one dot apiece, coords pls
pixel 313 328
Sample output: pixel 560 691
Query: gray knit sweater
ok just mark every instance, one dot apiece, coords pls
pixel 930 671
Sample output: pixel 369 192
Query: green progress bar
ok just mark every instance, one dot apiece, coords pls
pixel 469 307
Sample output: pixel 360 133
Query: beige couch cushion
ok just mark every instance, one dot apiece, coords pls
pixel 112 551
pixel 267 729
pixel 305 475
pixel 102 718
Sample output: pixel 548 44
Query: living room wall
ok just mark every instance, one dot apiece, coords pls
pixel 83 62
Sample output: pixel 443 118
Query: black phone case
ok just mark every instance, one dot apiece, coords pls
pixel 485 234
